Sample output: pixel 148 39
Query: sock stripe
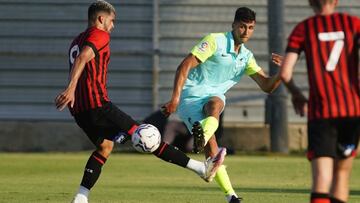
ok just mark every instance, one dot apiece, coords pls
pixel 354 153
pixel 320 198
pixel 98 157
pixel 132 129
pixel 162 148
pixel 99 160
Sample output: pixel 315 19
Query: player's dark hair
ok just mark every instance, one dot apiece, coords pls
pixel 99 6
pixel 317 5
pixel 244 14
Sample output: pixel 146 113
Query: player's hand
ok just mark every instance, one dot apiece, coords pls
pixel 300 104
pixel 65 98
pixel 277 59
pixel 169 107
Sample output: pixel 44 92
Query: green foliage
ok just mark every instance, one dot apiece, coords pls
pixel 135 178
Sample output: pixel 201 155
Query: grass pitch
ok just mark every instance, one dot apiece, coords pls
pixel 136 178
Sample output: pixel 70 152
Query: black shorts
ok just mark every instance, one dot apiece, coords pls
pixel 105 122
pixel 336 138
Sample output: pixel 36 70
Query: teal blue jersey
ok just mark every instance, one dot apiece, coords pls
pixel 221 66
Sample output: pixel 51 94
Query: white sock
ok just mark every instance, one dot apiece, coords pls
pixel 196 166
pixel 84 191
pixel 228 197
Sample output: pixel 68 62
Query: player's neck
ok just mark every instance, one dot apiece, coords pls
pixel 328 9
pixel 237 47
pixel 96 25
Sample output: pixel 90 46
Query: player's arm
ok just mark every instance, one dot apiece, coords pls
pixel 199 54
pixel 266 83
pixel 68 95
pixel 181 75
pixel 298 99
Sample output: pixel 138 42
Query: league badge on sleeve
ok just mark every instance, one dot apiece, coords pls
pixel 203 46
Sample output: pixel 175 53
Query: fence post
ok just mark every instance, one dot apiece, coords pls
pixel 155 56
pixel 276 103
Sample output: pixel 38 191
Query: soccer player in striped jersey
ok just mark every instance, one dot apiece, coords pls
pixel 214 65
pixel 87 99
pixel 330 41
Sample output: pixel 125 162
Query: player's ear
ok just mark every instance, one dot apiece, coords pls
pixel 100 18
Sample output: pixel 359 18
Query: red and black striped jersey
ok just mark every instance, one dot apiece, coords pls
pixel 91 91
pixel 331 45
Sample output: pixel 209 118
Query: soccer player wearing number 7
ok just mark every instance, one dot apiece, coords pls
pixel 215 65
pixel 330 41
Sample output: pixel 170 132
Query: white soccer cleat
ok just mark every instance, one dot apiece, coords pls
pixel 80 198
pixel 213 164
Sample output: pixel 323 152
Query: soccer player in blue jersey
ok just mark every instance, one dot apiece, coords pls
pixel 214 65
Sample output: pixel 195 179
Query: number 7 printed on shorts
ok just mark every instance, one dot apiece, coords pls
pixel 338 37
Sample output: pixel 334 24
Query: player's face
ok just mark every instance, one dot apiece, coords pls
pixel 242 31
pixel 109 21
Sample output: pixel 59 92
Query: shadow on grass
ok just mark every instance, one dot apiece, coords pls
pixel 259 190
pixel 273 190
pixel 285 190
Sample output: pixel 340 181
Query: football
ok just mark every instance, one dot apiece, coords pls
pixel 146 138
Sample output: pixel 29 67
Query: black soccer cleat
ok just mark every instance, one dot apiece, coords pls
pixel 235 199
pixel 198 135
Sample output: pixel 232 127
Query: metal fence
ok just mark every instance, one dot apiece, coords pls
pixel 149 41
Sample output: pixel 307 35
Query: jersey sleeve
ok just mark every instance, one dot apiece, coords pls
pixel 296 39
pixel 357 28
pixel 251 66
pixel 97 39
pixel 205 48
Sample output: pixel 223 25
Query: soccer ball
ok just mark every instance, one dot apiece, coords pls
pixel 146 138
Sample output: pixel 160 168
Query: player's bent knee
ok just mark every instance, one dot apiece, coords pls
pixel 106 148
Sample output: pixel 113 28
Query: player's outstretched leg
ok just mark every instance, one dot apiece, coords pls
pixel 206 170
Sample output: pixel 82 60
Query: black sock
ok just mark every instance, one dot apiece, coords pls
pixel 334 200
pixel 92 170
pixel 319 197
pixel 171 154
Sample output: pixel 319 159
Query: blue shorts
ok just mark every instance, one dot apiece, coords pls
pixel 191 110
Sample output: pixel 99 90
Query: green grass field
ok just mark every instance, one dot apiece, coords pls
pixel 135 178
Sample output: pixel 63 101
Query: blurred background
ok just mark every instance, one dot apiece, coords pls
pixel 150 39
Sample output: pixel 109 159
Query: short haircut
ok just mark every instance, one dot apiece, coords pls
pixel 99 6
pixel 317 5
pixel 244 14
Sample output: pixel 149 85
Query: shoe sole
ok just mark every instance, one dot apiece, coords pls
pixel 219 161
pixel 198 138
